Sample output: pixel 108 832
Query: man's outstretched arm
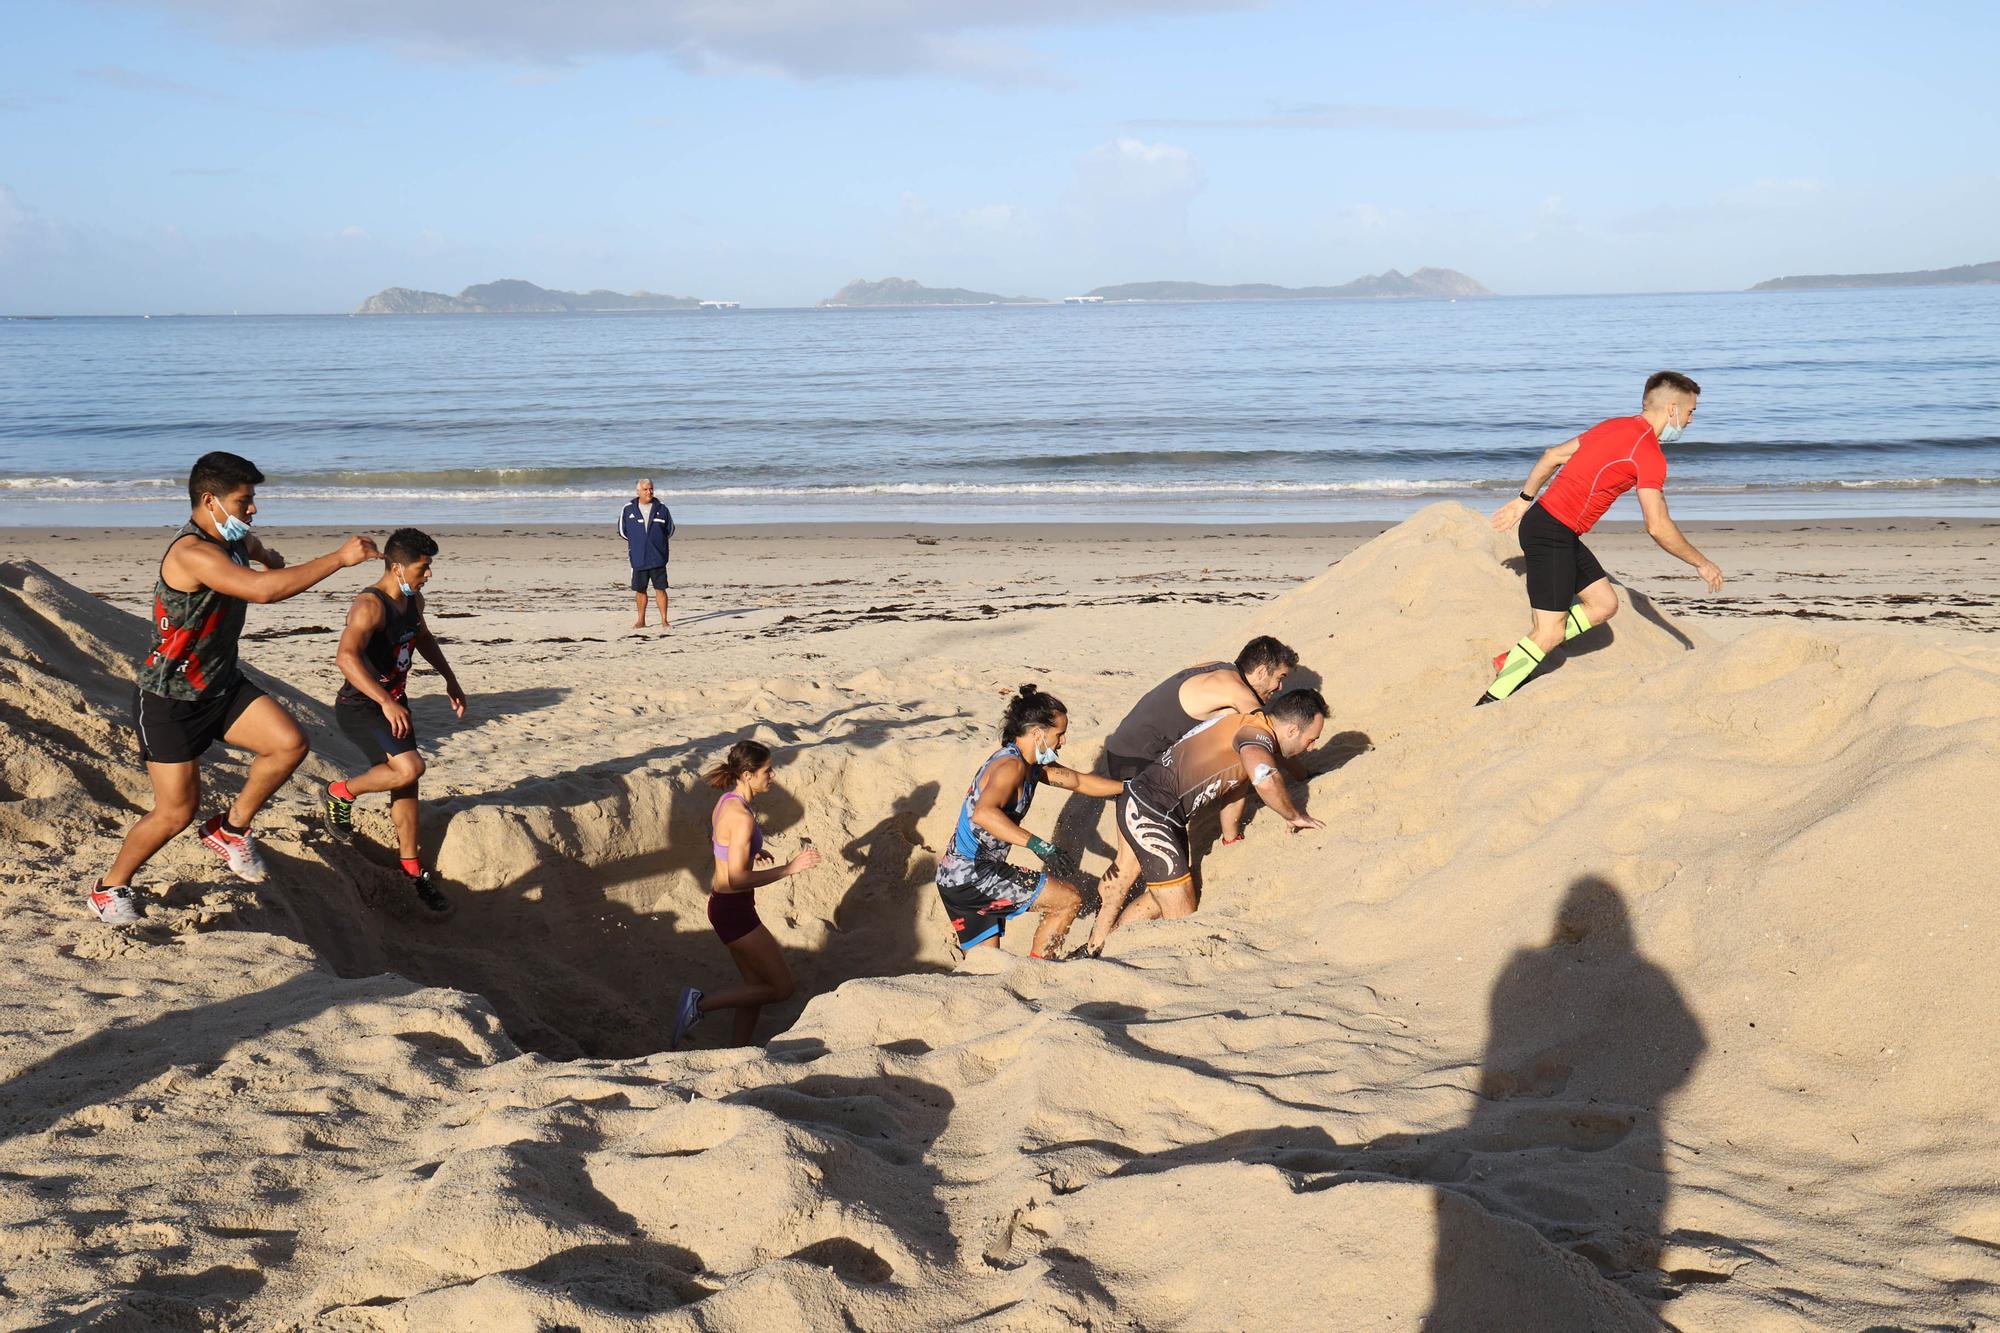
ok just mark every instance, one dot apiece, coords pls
pixel 209 566
pixel 1661 527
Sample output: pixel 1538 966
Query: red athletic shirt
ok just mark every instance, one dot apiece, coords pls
pixel 1611 458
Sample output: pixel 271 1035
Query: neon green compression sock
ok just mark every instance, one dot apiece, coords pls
pixel 1522 659
pixel 1576 624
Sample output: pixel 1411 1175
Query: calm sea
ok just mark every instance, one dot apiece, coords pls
pixel 1814 404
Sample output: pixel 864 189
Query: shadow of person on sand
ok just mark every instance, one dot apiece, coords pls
pixel 112 1061
pixel 1586 1041
pixel 894 873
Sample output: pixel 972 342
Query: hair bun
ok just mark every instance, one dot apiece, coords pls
pixel 1028 690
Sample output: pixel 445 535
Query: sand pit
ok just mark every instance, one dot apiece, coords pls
pixel 1657 993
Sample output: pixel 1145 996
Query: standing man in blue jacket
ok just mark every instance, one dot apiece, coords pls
pixel 646 527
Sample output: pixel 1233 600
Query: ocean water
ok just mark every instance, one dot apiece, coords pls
pixel 1814 404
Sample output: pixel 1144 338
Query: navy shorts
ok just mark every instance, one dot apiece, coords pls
pixel 363 724
pixel 656 576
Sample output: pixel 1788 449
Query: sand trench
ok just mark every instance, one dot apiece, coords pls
pixel 1610 1007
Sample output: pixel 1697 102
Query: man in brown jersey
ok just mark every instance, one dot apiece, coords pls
pixel 1203 771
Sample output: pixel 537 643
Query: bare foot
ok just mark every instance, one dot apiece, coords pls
pixel 638 624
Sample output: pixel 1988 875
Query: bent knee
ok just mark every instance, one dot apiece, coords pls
pixel 407 768
pixel 1059 895
pixel 1601 607
pixel 782 991
pixel 177 813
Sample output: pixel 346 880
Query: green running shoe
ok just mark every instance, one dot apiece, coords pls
pixel 339 817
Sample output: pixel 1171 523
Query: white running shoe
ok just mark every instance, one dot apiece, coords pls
pixel 238 851
pixel 114 906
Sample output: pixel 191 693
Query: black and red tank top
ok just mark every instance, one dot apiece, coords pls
pixel 389 649
pixel 195 633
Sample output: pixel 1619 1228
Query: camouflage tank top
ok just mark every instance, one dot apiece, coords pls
pixel 194 654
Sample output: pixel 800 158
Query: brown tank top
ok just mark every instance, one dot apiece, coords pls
pixel 1158 720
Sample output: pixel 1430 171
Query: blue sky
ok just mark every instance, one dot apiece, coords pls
pixel 297 155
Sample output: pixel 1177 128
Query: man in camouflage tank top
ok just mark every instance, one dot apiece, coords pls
pixel 192 691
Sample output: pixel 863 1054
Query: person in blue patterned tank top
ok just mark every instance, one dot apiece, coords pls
pixel 981 891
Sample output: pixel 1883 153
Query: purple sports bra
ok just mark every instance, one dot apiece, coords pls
pixel 722 848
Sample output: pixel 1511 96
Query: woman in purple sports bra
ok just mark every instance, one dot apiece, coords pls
pixel 742 866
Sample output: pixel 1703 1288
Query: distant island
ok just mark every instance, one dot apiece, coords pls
pixel 511 296
pixel 904 291
pixel 1425 282
pixel 1965 275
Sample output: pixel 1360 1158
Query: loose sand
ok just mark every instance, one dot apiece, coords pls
pixel 1660 992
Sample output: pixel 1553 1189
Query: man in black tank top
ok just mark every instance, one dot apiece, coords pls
pixel 385 629
pixel 1166 713
pixel 191 690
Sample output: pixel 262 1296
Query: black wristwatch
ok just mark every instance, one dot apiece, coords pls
pixel 1529 498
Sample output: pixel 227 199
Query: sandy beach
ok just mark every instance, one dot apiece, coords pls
pixel 1659 995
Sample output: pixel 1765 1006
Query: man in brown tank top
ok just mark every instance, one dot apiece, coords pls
pixel 1169 711
pixel 1202 771
pixel 192 690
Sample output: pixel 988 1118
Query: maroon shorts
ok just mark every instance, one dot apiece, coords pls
pixel 733 915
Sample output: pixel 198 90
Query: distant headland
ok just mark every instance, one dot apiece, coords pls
pixel 1965 275
pixel 511 296
pixel 906 291
pixel 1425 282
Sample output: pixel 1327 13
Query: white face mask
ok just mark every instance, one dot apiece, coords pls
pixel 1043 754
pixel 230 527
pixel 1670 432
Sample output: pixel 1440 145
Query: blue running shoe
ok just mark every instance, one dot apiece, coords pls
pixel 687 1013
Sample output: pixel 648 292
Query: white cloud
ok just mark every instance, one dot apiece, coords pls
pixel 26 235
pixel 803 38
pixel 1130 172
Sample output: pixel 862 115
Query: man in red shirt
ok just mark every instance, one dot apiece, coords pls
pixel 1567 589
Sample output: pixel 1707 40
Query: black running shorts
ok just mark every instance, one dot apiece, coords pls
pixel 1559 565
pixel 656 576
pixel 179 731
pixel 363 724
pixel 1122 767
pixel 1160 840
pixel 983 896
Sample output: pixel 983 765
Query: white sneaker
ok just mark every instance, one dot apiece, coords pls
pixel 114 906
pixel 238 851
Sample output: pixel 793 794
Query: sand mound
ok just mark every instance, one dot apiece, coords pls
pixel 1659 990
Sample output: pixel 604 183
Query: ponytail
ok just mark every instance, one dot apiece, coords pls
pixel 744 757
pixel 1030 707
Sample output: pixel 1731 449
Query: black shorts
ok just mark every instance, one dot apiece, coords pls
pixel 1160 840
pixel 1122 767
pixel 179 731
pixel 657 576
pixel 983 896
pixel 1559 565
pixel 363 724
